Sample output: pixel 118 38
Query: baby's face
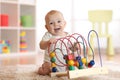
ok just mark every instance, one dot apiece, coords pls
pixel 55 24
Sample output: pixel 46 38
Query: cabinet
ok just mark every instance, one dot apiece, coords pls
pixel 11 29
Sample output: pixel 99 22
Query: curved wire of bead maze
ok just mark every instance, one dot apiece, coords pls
pixel 84 68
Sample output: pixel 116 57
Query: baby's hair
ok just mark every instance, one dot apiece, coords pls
pixel 51 13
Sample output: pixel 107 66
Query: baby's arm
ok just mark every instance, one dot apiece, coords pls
pixel 44 44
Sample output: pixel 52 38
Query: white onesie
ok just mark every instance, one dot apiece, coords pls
pixel 60 56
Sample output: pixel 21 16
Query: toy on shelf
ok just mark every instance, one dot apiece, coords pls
pixel 4 20
pixel 5 46
pixel 23 44
pixel 76 61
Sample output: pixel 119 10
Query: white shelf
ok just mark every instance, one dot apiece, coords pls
pixel 15 9
pixel 9 1
pixel 27 2
pixel 17 54
pixel 9 28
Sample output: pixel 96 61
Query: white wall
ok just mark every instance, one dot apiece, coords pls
pixel 66 7
pixel 43 6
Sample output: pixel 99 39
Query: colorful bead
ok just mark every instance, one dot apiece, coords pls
pixel 65 57
pixel 53 65
pixel 80 63
pixel 76 63
pixel 66 61
pixel 53 59
pixel 70 62
pixel 78 58
pixel 84 61
pixel 52 54
pixel 54 69
pixel 91 63
pixel 80 67
pixel 70 57
pixel 71 68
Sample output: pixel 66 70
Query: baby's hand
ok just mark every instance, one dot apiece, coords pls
pixel 75 47
pixel 52 40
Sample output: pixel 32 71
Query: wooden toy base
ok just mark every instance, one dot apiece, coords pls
pixel 81 72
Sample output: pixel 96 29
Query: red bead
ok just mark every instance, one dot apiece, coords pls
pixel 70 57
pixel 91 63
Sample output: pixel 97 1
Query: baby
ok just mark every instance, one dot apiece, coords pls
pixel 55 25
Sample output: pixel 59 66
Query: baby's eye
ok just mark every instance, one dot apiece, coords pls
pixel 51 23
pixel 59 21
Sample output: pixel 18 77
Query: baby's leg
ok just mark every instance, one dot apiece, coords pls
pixel 45 69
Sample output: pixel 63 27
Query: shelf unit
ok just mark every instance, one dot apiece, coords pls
pixel 15 9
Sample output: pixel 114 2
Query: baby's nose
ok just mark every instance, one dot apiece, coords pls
pixel 56 24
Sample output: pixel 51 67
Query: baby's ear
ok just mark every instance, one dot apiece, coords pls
pixel 64 23
pixel 46 27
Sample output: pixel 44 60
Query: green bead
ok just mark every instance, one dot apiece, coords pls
pixel 53 59
pixel 80 67
pixel 66 61
pixel 71 68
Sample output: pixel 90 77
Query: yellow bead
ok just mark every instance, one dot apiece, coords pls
pixel 53 65
pixel 70 62
pixel 84 60
pixel 52 54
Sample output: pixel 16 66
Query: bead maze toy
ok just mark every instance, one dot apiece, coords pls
pixel 74 50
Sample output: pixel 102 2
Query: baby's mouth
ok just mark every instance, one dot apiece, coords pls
pixel 57 29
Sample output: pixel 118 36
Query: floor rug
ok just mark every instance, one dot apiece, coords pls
pixel 28 72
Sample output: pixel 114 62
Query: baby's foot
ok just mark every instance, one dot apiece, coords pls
pixel 40 71
pixel 45 69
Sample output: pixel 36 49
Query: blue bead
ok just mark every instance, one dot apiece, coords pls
pixel 65 57
pixel 54 69
pixel 80 63
pixel 78 58
pixel 92 62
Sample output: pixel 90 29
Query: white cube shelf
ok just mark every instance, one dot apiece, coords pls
pixel 14 9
